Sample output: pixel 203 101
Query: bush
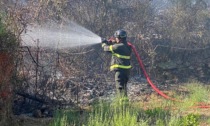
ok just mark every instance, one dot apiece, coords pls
pixel 8 45
pixel 190 120
pixel 8 41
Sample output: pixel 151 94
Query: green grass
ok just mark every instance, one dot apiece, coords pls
pixel 120 112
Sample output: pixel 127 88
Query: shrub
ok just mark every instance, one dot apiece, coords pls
pixel 8 41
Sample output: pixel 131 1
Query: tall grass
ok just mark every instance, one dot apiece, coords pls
pixel 117 113
pixel 121 112
pixel 196 93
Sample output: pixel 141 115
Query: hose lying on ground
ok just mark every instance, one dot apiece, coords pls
pixel 153 86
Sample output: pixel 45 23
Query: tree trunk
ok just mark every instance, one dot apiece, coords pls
pixel 6 71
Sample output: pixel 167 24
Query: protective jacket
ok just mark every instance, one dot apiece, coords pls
pixel 121 54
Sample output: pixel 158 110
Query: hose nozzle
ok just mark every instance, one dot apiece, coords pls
pixel 103 40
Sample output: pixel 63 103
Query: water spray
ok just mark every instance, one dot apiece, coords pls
pixel 52 35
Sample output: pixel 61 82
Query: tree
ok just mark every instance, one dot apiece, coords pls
pixel 184 23
pixel 15 16
pixel 8 49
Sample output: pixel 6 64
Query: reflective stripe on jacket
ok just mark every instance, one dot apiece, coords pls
pixel 120 55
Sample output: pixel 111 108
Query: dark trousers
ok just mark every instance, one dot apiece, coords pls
pixel 121 80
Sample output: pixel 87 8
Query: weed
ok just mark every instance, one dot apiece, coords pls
pixel 190 120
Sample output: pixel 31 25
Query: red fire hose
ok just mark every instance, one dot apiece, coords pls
pixel 152 85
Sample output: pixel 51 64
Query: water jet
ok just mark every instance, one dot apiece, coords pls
pixel 58 36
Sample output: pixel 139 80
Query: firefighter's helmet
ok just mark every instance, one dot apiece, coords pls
pixel 120 34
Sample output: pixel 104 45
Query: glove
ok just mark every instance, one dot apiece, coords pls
pixel 103 40
pixel 112 40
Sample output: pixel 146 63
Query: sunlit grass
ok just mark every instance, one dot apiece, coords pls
pixel 156 111
pixel 198 93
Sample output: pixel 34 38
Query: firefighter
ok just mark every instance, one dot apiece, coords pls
pixel 120 61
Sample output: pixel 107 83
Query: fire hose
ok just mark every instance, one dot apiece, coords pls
pixel 202 105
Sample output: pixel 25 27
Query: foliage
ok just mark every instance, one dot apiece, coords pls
pixel 198 92
pixel 190 120
pixel 64 118
pixel 157 112
pixel 108 16
pixel 186 23
pixel 8 47
pixel 8 40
